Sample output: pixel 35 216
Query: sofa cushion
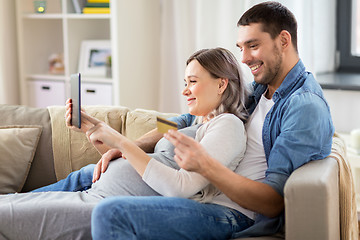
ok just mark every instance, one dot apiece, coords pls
pixel 72 150
pixel 141 121
pixel 42 168
pixel 17 149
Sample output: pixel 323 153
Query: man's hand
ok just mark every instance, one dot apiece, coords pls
pixel 103 163
pixel 189 154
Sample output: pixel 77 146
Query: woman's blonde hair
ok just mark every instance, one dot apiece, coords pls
pixel 221 63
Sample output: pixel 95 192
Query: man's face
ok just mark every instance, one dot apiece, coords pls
pixel 261 53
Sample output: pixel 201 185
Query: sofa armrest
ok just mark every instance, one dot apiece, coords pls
pixel 312 201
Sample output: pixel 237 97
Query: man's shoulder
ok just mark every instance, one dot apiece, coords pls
pixel 307 91
pixel 310 84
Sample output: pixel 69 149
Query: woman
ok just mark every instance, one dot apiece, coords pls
pixel 215 93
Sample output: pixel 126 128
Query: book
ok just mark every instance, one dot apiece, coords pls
pixel 91 10
pixel 79 5
pixel 97 5
pixel 98 1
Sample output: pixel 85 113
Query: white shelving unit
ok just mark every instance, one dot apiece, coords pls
pixel 61 31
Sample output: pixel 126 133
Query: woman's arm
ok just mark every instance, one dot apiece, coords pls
pixel 102 134
pixel 104 138
pixel 221 138
pixel 146 142
pixel 85 125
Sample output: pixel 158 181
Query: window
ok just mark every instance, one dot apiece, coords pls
pixel 348 35
pixel 355 29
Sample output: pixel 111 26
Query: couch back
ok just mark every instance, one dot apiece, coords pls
pixel 60 150
pixel 72 150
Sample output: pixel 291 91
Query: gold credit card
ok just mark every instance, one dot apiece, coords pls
pixel 164 125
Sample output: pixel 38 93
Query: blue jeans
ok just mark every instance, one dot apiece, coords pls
pixel 164 218
pixel 76 181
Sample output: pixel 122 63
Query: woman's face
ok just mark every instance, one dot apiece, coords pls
pixel 202 91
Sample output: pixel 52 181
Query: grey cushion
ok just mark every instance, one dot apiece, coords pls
pixel 42 168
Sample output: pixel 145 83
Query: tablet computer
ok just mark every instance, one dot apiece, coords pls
pixel 75 82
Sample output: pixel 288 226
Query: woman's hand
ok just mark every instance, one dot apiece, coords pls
pixel 103 163
pixel 85 125
pixel 102 134
pixel 189 154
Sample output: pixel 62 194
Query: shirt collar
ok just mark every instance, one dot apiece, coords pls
pixel 291 79
pixel 295 73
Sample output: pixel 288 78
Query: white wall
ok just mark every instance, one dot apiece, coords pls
pixel 345 109
pixel 139 37
pixel 9 85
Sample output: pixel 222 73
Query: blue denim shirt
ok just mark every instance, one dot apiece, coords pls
pixel 297 129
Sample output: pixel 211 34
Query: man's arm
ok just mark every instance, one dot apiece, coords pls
pixel 255 196
pixel 148 141
pixel 252 195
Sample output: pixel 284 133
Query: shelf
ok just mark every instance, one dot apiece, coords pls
pixel 96 79
pixel 59 30
pixel 87 16
pixel 51 77
pixel 68 16
pixel 42 16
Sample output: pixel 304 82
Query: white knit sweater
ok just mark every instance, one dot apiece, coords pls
pixel 224 138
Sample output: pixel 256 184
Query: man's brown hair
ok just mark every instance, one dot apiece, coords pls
pixel 274 18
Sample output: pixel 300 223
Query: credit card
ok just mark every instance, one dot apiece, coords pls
pixel 164 125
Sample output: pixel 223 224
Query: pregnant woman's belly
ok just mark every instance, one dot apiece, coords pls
pixel 121 179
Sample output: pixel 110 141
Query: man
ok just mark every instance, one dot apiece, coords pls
pixel 289 125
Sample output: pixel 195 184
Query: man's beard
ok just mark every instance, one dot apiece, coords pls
pixel 272 71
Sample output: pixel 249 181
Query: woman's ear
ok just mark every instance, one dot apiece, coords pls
pixel 223 85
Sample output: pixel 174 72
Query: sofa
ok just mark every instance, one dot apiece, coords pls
pixel 37 149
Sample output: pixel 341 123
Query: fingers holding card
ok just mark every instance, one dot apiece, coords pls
pixel 164 125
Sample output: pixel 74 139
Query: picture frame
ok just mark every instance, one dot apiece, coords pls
pixel 93 57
